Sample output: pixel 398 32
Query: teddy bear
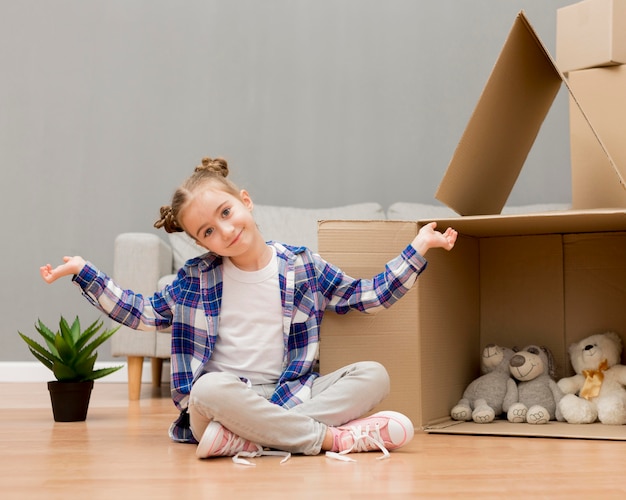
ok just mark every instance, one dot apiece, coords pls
pixel 484 397
pixel 538 394
pixel 596 391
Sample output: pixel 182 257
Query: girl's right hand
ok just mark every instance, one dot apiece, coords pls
pixel 71 266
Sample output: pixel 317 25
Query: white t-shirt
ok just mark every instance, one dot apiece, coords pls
pixel 250 340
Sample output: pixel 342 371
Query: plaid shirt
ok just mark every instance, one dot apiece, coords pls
pixel 191 306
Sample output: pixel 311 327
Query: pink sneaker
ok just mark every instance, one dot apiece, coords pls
pixel 382 431
pixel 218 441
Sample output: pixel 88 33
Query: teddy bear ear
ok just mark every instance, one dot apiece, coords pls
pixel 515 348
pixel 616 338
pixel 572 349
pixel 551 363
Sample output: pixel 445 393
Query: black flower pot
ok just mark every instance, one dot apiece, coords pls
pixel 70 400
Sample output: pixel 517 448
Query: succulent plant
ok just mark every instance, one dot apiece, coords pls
pixel 71 352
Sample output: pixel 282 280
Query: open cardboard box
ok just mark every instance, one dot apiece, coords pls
pixel 550 278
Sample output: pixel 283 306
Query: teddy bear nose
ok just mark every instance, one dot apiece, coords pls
pixel 588 347
pixel 517 361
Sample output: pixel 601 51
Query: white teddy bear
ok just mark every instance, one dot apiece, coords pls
pixel 597 391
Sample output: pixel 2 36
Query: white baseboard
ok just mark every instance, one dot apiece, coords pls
pixel 33 371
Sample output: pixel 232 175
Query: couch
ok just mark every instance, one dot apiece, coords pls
pixel 145 262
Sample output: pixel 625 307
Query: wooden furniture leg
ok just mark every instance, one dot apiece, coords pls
pixel 157 371
pixel 135 367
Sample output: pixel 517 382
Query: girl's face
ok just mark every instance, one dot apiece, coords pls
pixel 222 223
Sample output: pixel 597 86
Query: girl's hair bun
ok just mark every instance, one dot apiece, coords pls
pixel 168 221
pixel 218 166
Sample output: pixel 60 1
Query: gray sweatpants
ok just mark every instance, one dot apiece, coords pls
pixel 337 398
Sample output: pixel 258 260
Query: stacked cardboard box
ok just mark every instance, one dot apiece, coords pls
pixel 591 48
pixel 550 278
pixel 591 34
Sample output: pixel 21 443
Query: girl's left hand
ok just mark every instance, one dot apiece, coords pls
pixel 428 238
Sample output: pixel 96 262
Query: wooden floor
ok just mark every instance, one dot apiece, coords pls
pixel 122 451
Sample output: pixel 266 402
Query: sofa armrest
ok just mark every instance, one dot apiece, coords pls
pixel 139 260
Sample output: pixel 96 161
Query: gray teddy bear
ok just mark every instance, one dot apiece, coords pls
pixel 538 394
pixel 486 397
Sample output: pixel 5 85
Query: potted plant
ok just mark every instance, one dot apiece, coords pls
pixel 70 353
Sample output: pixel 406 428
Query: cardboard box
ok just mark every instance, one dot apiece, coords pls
pixel 591 34
pixel 550 278
pixel 601 92
pixel 547 279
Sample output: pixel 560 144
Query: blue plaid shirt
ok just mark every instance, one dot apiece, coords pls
pixel 191 306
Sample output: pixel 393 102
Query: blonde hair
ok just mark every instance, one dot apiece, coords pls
pixel 210 171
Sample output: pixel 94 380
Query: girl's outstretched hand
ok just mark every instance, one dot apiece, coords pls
pixel 428 238
pixel 71 266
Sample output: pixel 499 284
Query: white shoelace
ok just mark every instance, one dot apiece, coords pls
pixel 259 453
pixel 362 439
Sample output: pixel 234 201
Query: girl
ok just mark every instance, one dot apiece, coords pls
pixel 245 321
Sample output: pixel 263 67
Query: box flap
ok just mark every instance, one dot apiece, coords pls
pixel 504 125
pixel 557 222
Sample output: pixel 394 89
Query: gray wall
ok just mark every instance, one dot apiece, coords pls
pixel 106 105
